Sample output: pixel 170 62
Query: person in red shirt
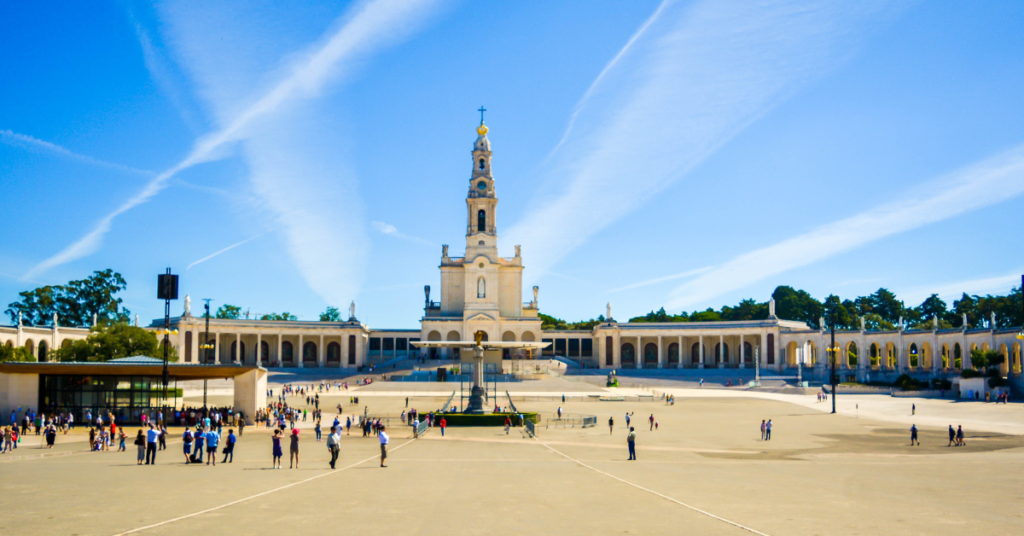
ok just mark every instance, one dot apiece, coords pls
pixel 442 424
pixel 508 424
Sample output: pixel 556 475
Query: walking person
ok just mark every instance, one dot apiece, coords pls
pixel 443 424
pixel 151 439
pixel 768 431
pixel 293 449
pixel 334 445
pixel 163 437
pixel 651 420
pixel 508 424
pixel 383 446
pixel 186 440
pixel 762 429
pixel 952 436
pixel 140 444
pixel 913 409
pixel 960 436
pixel 121 436
pixel 197 452
pixel 631 443
pixel 229 447
pixel 317 429
pixel 913 435
pixel 611 425
pixel 276 440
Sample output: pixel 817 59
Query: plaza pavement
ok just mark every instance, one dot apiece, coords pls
pixel 704 471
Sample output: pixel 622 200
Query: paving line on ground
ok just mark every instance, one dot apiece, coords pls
pixel 268 492
pixel 662 495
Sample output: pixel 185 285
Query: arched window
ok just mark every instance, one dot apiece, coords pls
pixel 481 288
pixel 483 166
pixel 481 221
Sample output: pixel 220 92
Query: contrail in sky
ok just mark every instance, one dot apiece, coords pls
pixel 370 26
pixel 989 182
pixel 23 140
pixel 692 76
pixel 232 246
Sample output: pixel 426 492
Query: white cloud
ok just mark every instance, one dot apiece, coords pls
pixel 954 291
pixel 656 280
pixel 989 182
pixel 299 188
pixel 692 77
pixel 391 230
pixel 23 140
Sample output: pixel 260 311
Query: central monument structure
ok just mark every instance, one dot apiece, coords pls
pixel 481 308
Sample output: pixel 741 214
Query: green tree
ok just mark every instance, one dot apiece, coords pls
pixel 15 353
pixel 75 303
pixel 969 306
pixel 746 310
pixel 282 316
pixel 797 305
pixel 706 316
pixel 112 341
pixel 330 315
pixel 232 312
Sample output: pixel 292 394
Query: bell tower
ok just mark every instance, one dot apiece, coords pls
pixel 481 202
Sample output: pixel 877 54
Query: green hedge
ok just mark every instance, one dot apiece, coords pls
pixel 492 419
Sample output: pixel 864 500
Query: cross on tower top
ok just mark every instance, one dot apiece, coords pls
pixel 482 110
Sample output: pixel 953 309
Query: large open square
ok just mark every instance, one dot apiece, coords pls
pixel 705 470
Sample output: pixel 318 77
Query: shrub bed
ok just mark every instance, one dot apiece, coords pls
pixel 492 419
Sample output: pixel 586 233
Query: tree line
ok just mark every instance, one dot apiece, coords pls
pixel 880 310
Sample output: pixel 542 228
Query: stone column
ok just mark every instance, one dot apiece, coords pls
pixel 280 341
pixel 216 348
pixel 721 350
pixel 700 351
pixel 344 349
pixel 661 358
pixel 259 349
pixel 301 355
pixel 238 348
pixel 616 351
pixel 741 354
pixel 680 363
pixel 320 352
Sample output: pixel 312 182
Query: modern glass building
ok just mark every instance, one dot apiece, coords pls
pixel 127 388
pixel 125 397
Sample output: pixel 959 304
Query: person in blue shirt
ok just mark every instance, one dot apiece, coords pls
pixel 229 448
pixel 212 438
pixel 186 440
pixel 152 436
pixel 198 452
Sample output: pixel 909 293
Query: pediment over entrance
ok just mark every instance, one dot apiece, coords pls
pixel 480 317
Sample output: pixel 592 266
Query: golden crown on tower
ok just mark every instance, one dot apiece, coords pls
pixel 482 129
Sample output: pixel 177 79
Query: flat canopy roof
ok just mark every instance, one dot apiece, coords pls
pixel 113 368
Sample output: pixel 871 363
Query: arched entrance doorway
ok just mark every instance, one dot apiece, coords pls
pixel 673 355
pixel 628 356
pixel 651 356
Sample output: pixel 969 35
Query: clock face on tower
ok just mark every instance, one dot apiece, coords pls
pixel 481 185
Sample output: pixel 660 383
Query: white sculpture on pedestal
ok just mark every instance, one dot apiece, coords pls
pixel 352 310
pixel 771 308
pixel 608 312
pixel 188 306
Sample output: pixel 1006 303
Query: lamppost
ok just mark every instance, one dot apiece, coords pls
pixel 832 350
pixel 207 345
pixel 167 290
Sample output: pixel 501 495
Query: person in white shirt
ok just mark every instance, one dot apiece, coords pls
pixel 334 445
pixel 383 446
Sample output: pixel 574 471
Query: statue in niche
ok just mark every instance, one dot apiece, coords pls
pixel 481 288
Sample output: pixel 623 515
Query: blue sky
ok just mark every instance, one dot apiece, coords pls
pixel 290 156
